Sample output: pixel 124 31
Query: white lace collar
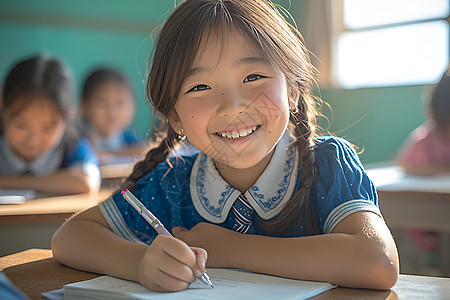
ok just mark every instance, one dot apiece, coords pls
pixel 213 197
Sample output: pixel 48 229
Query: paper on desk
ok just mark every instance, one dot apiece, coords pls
pixel 9 196
pixel 228 284
pixel 393 178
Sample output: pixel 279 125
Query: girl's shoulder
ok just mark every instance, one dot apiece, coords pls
pixel 174 168
pixel 328 145
pixel 335 152
pixel 79 150
pixel 130 137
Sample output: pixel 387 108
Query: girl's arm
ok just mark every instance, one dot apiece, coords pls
pixel 63 181
pixel 86 242
pixel 360 252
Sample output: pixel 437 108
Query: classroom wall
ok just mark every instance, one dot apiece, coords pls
pixel 87 33
pixel 376 120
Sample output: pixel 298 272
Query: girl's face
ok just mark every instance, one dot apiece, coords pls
pixel 234 104
pixel 37 128
pixel 110 108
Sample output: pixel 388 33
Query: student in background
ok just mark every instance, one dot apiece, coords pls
pixel 39 148
pixel 264 193
pixel 107 108
pixel 427 149
pixel 426 152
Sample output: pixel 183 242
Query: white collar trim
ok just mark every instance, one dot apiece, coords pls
pixel 47 162
pixel 213 197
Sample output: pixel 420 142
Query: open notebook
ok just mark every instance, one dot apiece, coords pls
pixel 8 196
pixel 228 284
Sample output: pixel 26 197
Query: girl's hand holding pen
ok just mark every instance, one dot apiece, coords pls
pixel 178 259
pixel 170 265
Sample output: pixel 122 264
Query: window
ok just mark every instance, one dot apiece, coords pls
pixel 391 42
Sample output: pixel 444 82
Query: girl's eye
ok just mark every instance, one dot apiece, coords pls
pixel 21 125
pixel 252 77
pixel 200 87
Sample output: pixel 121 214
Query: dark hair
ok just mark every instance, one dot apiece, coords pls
pixel 265 26
pixel 102 76
pixel 440 102
pixel 39 76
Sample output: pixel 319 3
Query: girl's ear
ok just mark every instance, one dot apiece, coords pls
pixel 294 96
pixel 174 121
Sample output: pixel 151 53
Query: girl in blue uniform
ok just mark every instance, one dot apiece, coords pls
pixel 107 107
pixel 263 193
pixel 38 147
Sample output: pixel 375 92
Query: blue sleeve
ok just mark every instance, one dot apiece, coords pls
pixel 83 156
pixel 130 138
pixel 126 222
pixel 82 153
pixel 164 192
pixel 342 186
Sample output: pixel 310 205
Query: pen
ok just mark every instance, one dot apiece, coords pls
pixel 156 224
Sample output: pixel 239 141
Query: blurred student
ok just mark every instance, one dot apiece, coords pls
pixel 39 148
pixel 108 107
pixel 427 149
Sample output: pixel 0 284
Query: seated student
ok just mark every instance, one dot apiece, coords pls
pixel 39 148
pixel 107 107
pixel 427 149
pixel 263 192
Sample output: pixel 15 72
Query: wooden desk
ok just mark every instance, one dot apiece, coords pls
pixel 415 202
pixel 116 170
pixel 33 223
pixel 35 271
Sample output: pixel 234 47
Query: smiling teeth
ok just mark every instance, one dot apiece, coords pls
pixel 238 134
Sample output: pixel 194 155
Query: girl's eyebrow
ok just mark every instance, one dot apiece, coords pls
pixel 250 60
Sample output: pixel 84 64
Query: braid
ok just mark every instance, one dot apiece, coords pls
pixel 153 158
pixel 299 210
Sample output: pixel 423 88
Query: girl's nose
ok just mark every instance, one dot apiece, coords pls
pixel 32 137
pixel 231 103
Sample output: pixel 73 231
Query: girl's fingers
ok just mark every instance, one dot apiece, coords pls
pixel 162 282
pixel 176 230
pixel 201 256
pixel 173 267
pixel 169 265
pixel 177 249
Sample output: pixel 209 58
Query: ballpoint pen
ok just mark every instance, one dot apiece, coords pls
pixel 154 222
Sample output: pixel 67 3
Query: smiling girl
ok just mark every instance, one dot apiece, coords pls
pixel 263 193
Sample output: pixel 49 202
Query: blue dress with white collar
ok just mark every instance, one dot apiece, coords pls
pixel 81 156
pixel 193 191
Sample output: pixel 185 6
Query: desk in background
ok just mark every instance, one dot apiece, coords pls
pixel 113 175
pixel 415 202
pixel 35 271
pixel 32 224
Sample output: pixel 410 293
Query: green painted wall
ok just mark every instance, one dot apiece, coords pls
pixel 86 33
pixel 376 120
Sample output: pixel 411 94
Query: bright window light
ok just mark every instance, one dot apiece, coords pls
pixel 400 55
pixel 367 13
